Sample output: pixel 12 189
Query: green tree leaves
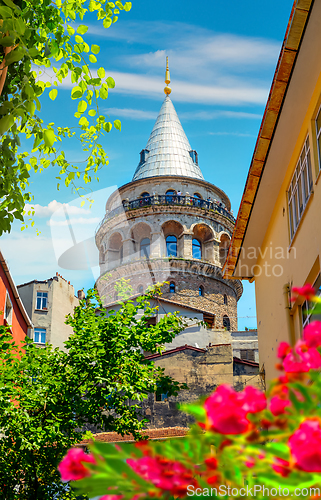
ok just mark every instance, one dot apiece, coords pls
pixel 48 397
pixel 38 36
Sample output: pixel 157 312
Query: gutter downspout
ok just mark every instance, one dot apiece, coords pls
pixel 289 317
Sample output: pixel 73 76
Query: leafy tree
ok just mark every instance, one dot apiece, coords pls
pixel 48 396
pixel 41 34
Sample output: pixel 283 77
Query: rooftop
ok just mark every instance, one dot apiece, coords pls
pixel 168 151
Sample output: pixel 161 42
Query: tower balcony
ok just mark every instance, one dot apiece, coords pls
pixel 167 200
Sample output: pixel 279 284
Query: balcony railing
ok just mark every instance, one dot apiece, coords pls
pixel 167 199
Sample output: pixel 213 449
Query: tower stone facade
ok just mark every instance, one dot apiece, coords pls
pixel 169 224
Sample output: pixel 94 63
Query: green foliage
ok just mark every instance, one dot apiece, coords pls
pixel 41 35
pixel 48 396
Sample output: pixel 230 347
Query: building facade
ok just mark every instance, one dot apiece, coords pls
pixel 170 225
pixel 13 312
pixel 48 303
pixel 276 240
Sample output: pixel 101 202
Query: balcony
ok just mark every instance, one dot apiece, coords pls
pixel 167 200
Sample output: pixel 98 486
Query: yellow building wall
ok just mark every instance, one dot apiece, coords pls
pixel 300 263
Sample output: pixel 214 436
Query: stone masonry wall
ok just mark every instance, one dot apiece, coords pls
pixel 201 371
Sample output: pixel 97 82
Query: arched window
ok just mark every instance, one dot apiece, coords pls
pixel 197 195
pixel 144 194
pixel 172 287
pixel 226 322
pixel 201 291
pixel 145 247
pixel 170 196
pixel 115 296
pixel 121 254
pixel 171 246
pixel 225 299
pixel 140 289
pixel 197 249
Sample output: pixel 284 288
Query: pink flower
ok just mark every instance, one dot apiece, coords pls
pixel 282 467
pixel 307 291
pixel 278 405
pixel 302 359
pixel 71 467
pixel 312 334
pixel 249 463
pixel 164 474
pixel 305 446
pixel 111 497
pixel 283 349
pixel 253 400
pixel 227 409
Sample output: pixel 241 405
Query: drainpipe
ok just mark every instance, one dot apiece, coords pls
pixel 289 317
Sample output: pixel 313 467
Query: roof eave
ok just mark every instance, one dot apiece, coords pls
pixel 282 76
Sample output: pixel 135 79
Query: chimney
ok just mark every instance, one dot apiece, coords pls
pixel 81 294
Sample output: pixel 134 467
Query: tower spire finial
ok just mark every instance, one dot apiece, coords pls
pixel 167 89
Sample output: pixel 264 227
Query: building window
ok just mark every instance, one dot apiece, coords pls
pixel 8 310
pixel 121 255
pixel 308 306
pixel 145 247
pixel 39 336
pixel 225 299
pixel 161 396
pixel 172 287
pixel 144 194
pixel 201 291
pixel 197 195
pixel 171 196
pixel 318 131
pixel 171 246
pixel 226 322
pixel 300 188
pixel 140 289
pixel 197 249
pixel 247 354
pixel 42 301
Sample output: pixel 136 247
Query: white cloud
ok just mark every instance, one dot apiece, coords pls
pixel 73 221
pixel 133 114
pixel 52 207
pixel 141 114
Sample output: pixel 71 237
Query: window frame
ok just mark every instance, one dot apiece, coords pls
pixel 309 306
pixel 8 316
pixel 171 242
pixel 201 291
pixel 143 247
pixel 300 188
pixel 41 298
pixel 39 332
pixel 172 285
pixel 227 319
pixel 318 135
pixel 199 246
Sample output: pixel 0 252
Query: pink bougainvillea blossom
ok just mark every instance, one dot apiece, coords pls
pixel 71 467
pixel 111 497
pixel 281 467
pixel 307 291
pixel 302 359
pixel 312 334
pixel 278 405
pixel 227 409
pixel 283 349
pixel 165 474
pixel 305 445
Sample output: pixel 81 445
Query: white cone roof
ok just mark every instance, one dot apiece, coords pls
pixel 168 148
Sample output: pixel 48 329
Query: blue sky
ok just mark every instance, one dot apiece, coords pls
pixel 222 59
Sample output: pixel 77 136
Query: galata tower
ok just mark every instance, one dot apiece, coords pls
pixel 169 224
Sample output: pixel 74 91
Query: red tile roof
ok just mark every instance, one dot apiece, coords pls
pixel 162 433
pixel 245 362
pixel 176 349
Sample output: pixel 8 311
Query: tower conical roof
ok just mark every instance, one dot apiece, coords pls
pixel 168 151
